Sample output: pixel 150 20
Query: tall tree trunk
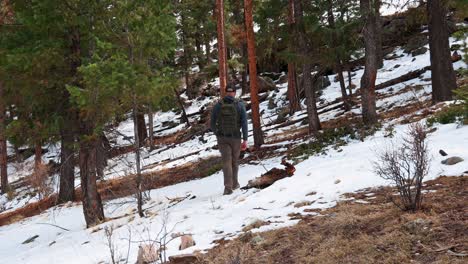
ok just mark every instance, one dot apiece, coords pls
pixel 338 66
pixel 293 95
pixel 142 132
pixel 198 46
pixel 3 142
pixel 187 61
pixel 369 113
pixel 350 83
pixel 102 149
pixel 443 75
pixel 222 57
pixel 378 34
pixel 67 159
pixel 92 204
pixel 257 129
pixel 136 129
pixel 314 121
pixel 150 128
pixel 244 84
pixel 37 154
pixel 208 50
pixel 181 105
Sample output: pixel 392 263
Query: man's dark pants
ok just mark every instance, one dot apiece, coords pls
pixel 230 152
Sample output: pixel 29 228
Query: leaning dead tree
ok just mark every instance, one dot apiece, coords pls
pixel 406 166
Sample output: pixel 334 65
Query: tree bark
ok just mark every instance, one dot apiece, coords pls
pixel 92 204
pixel 67 166
pixel 150 128
pixel 378 34
pixel 142 132
pixel 338 66
pixel 222 59
pixel 102 150
pixel 369 113
pixel 37 154
pixel 293 95
pixel 314 121
pixel 138 178
pixel 443 75
pixel 257 129
pixel 350 82
pixel 3 142
pixel 181 105
pixel 187 61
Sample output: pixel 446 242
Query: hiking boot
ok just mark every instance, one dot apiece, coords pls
pixel 227 191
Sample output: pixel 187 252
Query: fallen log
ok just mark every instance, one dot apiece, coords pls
pixel 271 177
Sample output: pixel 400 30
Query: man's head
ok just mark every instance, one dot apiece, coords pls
pixel 230 90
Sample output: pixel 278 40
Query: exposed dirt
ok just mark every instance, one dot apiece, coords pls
pixel 366 229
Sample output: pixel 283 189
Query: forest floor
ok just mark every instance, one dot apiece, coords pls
pixel 366 228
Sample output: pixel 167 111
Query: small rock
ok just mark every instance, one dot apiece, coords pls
pixel 271 104
pixel 257 240
pixel 337 181
pixel 147 253
pixel 417 226
pixel 186 241
pixel 452 161
pixel 443 153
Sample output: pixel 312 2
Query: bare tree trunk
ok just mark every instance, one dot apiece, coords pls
pixel 181 105
pixel 244 84
pixel 3 142
pixel 92 204
pixel 222 60
pixel 314 121
pixel 338 65
pixel 102 150
pixel 37 154
pixel 369 113
pixel 150 128
pixel 293 95
pixel 143 133
pixel 378 33
pixel 350 82
pixel 137 158
pixel 257 129
pixel 208 51
pixel 67 160
pixel 443 75
pixel 187 61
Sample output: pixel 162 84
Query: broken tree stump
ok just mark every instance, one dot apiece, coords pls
pixel 271 176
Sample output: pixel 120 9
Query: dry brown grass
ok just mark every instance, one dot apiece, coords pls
pixel 376 232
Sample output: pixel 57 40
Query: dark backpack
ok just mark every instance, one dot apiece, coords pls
pixel 228 120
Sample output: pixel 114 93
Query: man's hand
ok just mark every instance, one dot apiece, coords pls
pixel 244 145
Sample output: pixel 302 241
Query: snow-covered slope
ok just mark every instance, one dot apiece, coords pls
pixel 204 212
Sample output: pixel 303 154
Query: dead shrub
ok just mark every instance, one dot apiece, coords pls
pixel 39 180
pixel 406 166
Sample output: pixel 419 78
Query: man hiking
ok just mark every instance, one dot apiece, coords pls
pixel 227 119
